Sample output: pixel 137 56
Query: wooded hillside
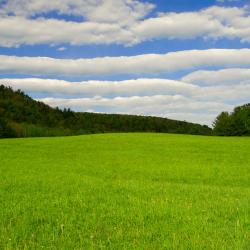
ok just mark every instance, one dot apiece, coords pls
pixel 21 116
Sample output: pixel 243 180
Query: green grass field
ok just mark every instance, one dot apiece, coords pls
pixel 125 191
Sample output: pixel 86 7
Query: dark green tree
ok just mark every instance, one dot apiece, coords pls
pixel 236 123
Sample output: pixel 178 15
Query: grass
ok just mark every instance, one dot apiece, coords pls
pixel 125 191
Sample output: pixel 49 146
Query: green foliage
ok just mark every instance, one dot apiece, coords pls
pixel 6 131
pixel 32 118
pixel 125 191
pixel 235 124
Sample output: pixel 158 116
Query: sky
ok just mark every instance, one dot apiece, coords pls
pixel 180 59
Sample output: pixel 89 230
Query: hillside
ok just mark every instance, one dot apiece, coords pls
pixel 21 116
pixel 125 191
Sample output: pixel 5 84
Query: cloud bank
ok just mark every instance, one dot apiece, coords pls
pixel 128 24
pixel 141 64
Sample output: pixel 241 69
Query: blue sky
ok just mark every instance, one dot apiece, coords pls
pixel 182 59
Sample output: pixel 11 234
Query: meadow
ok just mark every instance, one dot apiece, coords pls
pixel 125 191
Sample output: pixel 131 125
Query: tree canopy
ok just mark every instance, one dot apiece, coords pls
pixel 236 123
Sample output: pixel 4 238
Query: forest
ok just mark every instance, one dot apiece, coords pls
pixel 21 116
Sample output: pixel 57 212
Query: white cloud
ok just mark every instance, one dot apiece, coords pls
pixel 15 31
pixel 116 22
pixel 237 93
pixel 224 1
pixel 124 12
pixel 136 87
pixel 218 77
pixel 62 49
pixel 107 11
pixel 214 22
pixel 148 63
pixel 104 22
pixel 178 25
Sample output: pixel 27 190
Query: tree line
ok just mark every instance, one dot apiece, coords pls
pixel 21 116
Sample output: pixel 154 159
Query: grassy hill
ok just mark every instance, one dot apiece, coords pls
pixel 125 191
pixel 21 116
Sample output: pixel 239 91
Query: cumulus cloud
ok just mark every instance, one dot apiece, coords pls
pixel 115 21
pixel 147 63
pixel 108 11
